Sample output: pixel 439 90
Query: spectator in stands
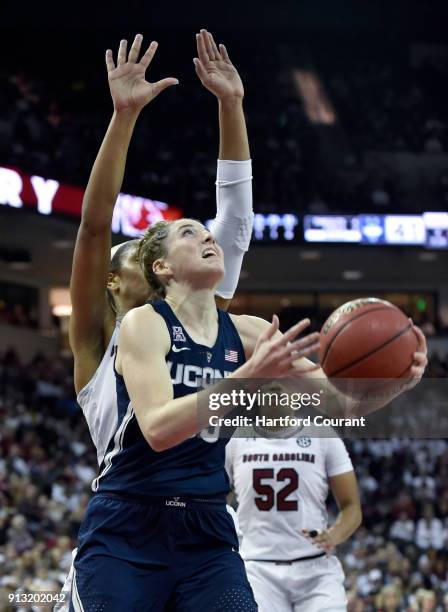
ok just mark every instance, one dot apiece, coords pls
pixel 402 530
pixel 429 533
pixel 389 599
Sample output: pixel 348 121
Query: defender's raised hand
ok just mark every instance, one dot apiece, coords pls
pixel 128 87
pixel 215 70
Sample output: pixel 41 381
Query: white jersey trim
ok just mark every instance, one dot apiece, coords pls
pixel 76 599
pixel 98 400
pixel 118 446
pixel 83 395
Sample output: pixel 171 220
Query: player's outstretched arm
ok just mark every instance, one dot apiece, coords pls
pixel 345 490
pixel 130 93
pixel 232 227
pixel 166 422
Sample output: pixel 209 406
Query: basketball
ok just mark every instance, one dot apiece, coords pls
pixel 367 338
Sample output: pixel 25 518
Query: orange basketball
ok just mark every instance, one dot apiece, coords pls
pixel 367 338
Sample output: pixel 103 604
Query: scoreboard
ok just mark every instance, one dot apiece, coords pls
pixel 429 229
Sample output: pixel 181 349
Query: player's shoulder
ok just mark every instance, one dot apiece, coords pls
pixel 336 454
pixel 324 441
pixel 141 314
pixel 142 322
pixel 249 329
pixel 333 442
pixel 249 322
pixel 242 437
pixel 239 445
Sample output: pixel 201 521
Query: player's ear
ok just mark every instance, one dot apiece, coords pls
pixel 113 281
pixel 161 267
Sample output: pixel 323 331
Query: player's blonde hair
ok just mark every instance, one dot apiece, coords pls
pixel 151 247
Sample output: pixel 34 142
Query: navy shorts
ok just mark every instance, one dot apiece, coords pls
pixel 159 555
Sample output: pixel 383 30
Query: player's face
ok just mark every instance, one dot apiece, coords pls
pixel 133 285
pixel 193 253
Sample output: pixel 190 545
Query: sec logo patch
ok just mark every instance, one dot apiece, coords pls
pixel 304 441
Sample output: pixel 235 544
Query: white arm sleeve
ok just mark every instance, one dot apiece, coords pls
pixel 232 227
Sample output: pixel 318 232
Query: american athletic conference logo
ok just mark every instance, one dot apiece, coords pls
pixel 303 441
pixel 178 334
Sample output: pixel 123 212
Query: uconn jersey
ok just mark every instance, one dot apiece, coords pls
pixel 196 466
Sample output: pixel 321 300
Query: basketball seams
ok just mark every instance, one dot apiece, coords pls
pixel 347 323
pixel 378 348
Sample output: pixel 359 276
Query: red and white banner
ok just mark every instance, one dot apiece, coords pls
pixel 132 214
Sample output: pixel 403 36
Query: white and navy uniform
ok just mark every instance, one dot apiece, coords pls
pixel 281 486
pixel 157 535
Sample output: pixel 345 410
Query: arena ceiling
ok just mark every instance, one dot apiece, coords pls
pixel 289 15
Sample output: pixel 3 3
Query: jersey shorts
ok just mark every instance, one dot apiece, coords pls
pixel 163 554
pixel 311 585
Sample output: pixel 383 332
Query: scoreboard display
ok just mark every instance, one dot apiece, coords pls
pixel 428 230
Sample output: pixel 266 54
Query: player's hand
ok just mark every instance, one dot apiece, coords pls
pixel 420 359
pixel 414 374
pixel 215 70
pixel 128 87
pixel 323 539
pixel 275 355
pixel 395 387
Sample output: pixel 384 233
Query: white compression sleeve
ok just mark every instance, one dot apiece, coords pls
pixel 232 227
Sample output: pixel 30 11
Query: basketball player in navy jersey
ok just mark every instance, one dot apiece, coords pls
pixel 97 314
pixel 157 535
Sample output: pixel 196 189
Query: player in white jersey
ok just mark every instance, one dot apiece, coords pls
pixel 281 480
pixel 106 283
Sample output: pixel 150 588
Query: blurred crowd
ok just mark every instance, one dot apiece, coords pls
pixel 397 561
pixel 53 126
pixel 393 106
pixel 17 314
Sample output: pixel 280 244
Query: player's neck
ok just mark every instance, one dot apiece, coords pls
pixel 196 309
